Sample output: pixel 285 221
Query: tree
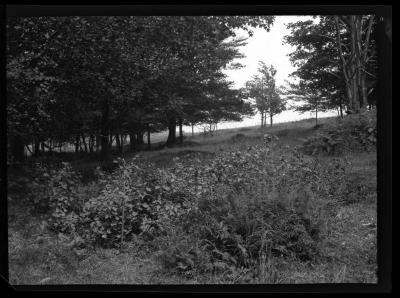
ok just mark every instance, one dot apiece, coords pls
pixel 86 80
pixel 201 51
pixel 359 54
pixel 262 88
pixel 80 72
pixel 310 99
pixel 324 59
pixel 33 46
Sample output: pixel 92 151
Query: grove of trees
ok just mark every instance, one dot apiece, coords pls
pixel 262 88
pixel 90 81
pixel 94 81
pixel 336 62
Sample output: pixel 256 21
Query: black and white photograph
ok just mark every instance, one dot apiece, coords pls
pixel 194 149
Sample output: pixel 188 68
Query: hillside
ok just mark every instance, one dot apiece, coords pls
pixel 227 208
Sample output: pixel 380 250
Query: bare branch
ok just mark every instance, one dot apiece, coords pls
pixel 322 35
pixel 364 70
pixel 368 34
pixel 334 74
pixel 339 41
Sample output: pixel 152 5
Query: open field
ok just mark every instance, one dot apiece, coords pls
pixel 347 251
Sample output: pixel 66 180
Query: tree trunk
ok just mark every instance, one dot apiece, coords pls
pixel 118 142
pixel 341 110
pixel 104 145
pixel 110 141
pixel 104 131
pixel 17 148
pixel 140 137
pixel 84 142
pixel 364 92
pixel 37 147
pixel 123 137
pixel 77 143
pixel 98 141
pixel 270 119
pixel 361 58
pixel 354 66
pixel 91 143
pixel 171 131
pixel 348 66
pixel 262 119
pixel 148 137
pixel 29 150
pixel 133 141
pixel 180 131
pixel 80 145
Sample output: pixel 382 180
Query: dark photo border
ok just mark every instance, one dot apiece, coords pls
pixel 384 147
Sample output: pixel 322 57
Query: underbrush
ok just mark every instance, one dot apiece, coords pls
pixel 236 215
pixel 353 133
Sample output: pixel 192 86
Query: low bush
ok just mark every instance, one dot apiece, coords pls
pixel 229 213
pixel 237 225
pixel 237 136
pixel 240 229
pixel 356 132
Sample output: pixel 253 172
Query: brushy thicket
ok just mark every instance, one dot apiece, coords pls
pixel 352 133
pixel 232 212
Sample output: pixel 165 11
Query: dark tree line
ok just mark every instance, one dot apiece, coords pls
pixel 90 81
pixel 336 63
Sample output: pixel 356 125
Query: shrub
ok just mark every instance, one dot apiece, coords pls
pixel 233 206
pixel 356 132
pixel 64 202
pixel 116 212
pixel 134 199
pixel 183 253
pixel 252 201
pixel 237 137
pixel 57 192
pixel 235 233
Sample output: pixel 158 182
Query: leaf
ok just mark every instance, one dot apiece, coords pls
pixel 44 280
pixel 182 266
pixel 220 265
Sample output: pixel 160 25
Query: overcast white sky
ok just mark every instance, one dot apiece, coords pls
pixel 268 47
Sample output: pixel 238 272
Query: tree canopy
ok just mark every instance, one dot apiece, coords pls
pixel 336 56
pixel 73 78
pixel 262 88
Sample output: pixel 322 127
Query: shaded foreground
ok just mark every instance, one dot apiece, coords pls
pixel 230 208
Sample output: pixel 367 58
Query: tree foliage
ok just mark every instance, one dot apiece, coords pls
pixel 262 88
pixel 336 56
pixel 104 78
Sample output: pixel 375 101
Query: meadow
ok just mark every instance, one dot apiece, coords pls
pixel 293 203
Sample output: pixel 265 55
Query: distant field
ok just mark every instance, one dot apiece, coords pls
pixel 161 137
pixel 290 134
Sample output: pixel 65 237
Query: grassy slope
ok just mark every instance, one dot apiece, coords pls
pixel 35 256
